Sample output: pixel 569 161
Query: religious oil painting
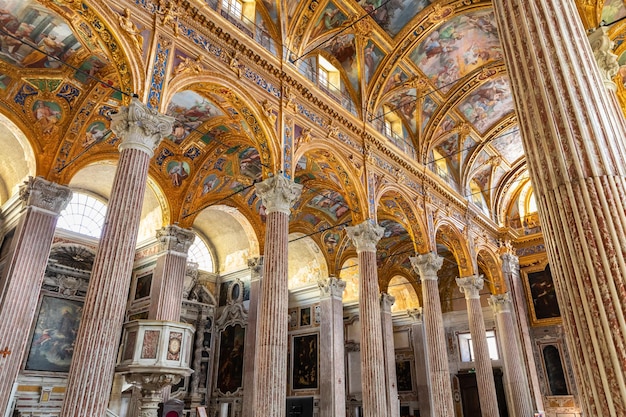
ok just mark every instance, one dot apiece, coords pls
pixel 543 304
pixel 458 47
pixel 142 288
pixel 230 364
pixel 403 375
pixel 52 343
pixel 305 364
pixel 37 38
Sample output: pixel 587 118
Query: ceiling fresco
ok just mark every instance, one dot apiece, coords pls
pixel 407 59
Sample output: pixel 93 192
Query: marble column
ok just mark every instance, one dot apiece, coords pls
pixel 470 287
pixel 514 371
pixel 517 297
pixel 420 351
pixel 42 201
pixel 168 278
pixel 249 368
pixel 386 301
pixel 332 353
pixel 365 236
pixel 573 139
pixel 427 266
pixel 89 381
pixel 278 195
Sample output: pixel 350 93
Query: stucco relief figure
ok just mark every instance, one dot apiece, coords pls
pixel 129 27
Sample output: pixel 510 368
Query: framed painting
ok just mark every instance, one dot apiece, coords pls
pixel 305 363
pixel 143 286
pixel 52 344
pixel 403 376
pixel 230 364
pixel 543 306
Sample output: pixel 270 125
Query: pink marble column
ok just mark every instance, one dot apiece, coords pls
pixel 573 139
pixel 420 352
pixel 365 236
pixel 332 353
pixel 249 366
pixel 511 273
pixel 91 373
pixel 278 195
pixel 427 266
pixel 21 280
pixel 386 301
pixel 169 274
pixel 471 286
pixel 514 371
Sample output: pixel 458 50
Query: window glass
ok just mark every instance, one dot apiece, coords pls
pixel 84 214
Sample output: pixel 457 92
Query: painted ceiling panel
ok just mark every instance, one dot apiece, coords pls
pixel 457 47
pixel 392 16
pixel 509 145
pixel 190 110
pixel 488 104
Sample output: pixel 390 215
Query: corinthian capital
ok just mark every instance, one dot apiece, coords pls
pixel 44 194
pixel 386 301
pixel 278 193
pixel 427 265
pixel 500 303
pixel 140 127
pixel 331 287
pixel 176 239
pixel 471 286
pixel 365 236
pixel 602 47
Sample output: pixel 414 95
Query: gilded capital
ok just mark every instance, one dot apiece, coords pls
pixel 46 195
pixel 500 303
pixel 331 287
pixel 416 313
pixel 471 286
pixel 140 127
pixel 278 193
pixel 386 301
pixel 607 61
pixel 175 239
pixel 427 265
pixel 365 236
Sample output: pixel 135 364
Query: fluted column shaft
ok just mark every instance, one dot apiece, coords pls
pixel 571 133
pixel 386 301
pixel 420 352
pixel 169 274
pixel 332 351
pixel 93 363
pixel 249 366
pixel 365 237
pixel 519 315
pixel 278 194
pixel 471 286
pixel 427 266
pixel 42 201
pixel 515 373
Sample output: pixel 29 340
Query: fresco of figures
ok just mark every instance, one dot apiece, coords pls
pixel 190 110
pixel 330 203
pixel 458 47
pixel 23 24
pixel 488 104
pixel 393 15
pixel 613 10
pixel 331 18
pixel 509 144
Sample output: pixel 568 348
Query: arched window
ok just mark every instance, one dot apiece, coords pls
pixel 84 214
pixel 199 253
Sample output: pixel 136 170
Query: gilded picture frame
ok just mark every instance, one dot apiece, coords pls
pixel 541 299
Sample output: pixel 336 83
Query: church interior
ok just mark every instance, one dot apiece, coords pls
pixel 396 120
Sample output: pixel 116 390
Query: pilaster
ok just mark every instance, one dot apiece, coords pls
pixel 42 201
pixel 249 366
pixel 386 301
pixel 420 351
